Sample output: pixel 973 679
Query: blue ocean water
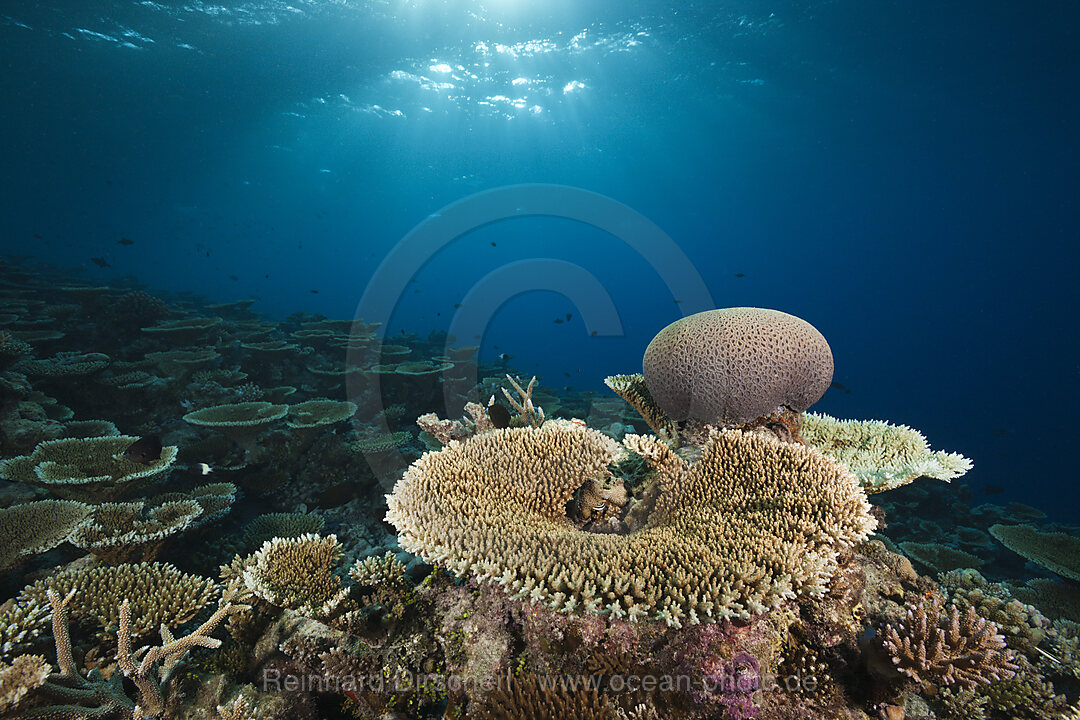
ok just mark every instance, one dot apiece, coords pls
pixel 902 176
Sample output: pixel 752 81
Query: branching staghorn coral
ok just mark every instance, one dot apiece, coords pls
pixel 161 660
pixel 159 593
pixel 20 624
pixel 949 646
pixel 752 523
pixel 530 413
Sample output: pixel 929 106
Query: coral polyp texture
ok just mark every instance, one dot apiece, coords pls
pixel 36 527
pixel 297 573
pixel 949 646
pixel 89 469
pixel 158 593
pixel 882 455
pixel 734 365
pixel 751 523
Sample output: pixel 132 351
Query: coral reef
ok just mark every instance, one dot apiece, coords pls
pixel 565 565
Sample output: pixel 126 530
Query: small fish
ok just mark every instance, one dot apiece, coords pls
pixel 740 274
pixel 125 241
pixel 314 292
pixel 500 416
pixel 569 316
pixel 145 450
pixel 457 305
pixel 505 358
pixel 558 321
pixel 993 489
pixel 1000 432
pixel 233 277
pixel 37 236
pixel 492 243
pixel 592 334
pixel 204 469
pixel 207 253
pixel 837 386
pixel 99 261
pixel 566 374
pixel 677 302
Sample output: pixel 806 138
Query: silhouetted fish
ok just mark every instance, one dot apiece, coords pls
pixel 569 316
pixel 37 236
pixel 314 292
pixel 558 321
pixel 592 334
pixel 492 243
pixel 99 261
pixel 740 274
pixel 145 450
pixel 125 241
pixel 500 416
pixel 837 386
pixel 1000 432
pixel 993 489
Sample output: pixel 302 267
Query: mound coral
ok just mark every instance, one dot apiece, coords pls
pixel 883 456
pixel 88 469
pixel 734 365
pixel 752 522
pixel 297 573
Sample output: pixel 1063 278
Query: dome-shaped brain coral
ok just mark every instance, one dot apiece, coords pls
pixel 734 365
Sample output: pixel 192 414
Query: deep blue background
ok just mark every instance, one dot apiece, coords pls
pixel 905 178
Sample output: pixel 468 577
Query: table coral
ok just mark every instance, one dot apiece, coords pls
pixel 87 469
pixel 753 522
pixel 882 455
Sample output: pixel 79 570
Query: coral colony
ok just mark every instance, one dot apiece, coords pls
pixel 195 523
